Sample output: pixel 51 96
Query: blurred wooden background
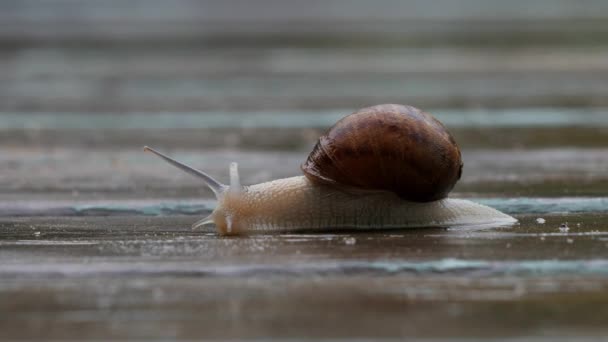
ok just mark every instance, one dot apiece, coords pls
pixel 114 56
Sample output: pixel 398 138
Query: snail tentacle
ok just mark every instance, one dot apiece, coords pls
pixel 215 186
pixel 221 191
pixel 202 222
pixel 235 179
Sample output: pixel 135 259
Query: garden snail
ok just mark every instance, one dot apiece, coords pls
pixel 386 166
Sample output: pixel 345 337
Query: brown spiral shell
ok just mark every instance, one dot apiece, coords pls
pixel 388 147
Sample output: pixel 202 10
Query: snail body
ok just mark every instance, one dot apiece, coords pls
pixel 415 160
pixel 298 203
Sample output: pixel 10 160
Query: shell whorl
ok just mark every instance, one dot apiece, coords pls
pixel 389 147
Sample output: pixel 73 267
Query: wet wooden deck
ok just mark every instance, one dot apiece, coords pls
pixel 94 235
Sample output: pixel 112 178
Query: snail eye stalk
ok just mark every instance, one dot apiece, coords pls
pixel 215 186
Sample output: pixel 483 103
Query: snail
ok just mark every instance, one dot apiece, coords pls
pixel 386 166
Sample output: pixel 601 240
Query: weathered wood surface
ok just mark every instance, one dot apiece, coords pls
pixel 171 56
pixel 94 234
